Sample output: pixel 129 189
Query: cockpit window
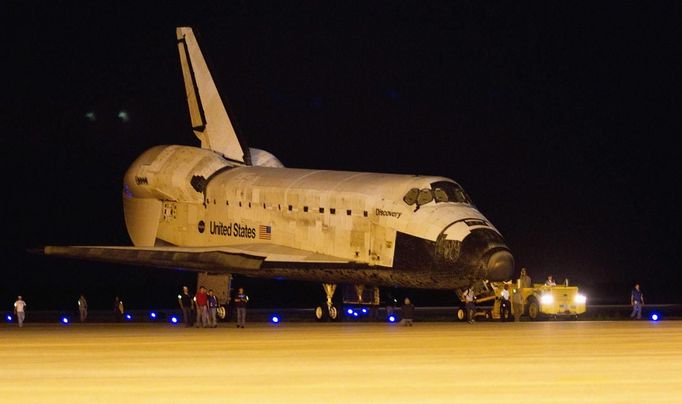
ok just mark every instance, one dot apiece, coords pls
pixel 425 196
pixel 445 191
pixel 441 191
pixel 410 197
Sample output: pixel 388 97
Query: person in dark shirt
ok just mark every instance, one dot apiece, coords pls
pixel 212 309
pixel 185 302
pixel 636 301
pixel 240 301
pixel 407 311
pixel 118 309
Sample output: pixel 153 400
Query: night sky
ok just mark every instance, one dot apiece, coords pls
pixel 561 121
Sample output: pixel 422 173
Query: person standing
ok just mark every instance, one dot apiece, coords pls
pixel 201 300
pixel 83 308
pixel 185 302
pixel 469 303
pixel 407 311
pixel 505 304
pixel 636 301
pixel 212 309
pixel 524 279
pixel 240 302
pixel 118 309
pixel 20 310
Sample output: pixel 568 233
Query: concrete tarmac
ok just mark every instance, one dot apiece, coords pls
pixel 553 362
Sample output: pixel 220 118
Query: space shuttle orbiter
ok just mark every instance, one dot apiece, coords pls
pixel 225 209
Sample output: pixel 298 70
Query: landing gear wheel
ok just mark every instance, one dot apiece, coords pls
pixel 319 313
pixel 333 313
pixel 533 310
pixel 488 315
pixel 461 314
pixel 220 311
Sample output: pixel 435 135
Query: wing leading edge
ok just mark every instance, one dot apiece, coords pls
pixel 244 259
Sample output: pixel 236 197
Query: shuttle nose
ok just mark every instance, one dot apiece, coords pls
pixel 500 266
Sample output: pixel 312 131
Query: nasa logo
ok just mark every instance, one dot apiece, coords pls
pixel 201 226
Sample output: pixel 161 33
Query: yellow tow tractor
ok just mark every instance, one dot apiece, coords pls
pixel 536 302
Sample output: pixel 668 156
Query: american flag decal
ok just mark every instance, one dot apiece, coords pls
pixel 264 232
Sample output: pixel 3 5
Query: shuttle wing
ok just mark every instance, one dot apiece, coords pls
pixel 241 259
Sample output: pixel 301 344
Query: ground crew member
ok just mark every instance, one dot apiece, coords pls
pixel 201 300
pixel 469 303
pixel 524 279
pixel 240 301
pixel 83 308
pixel 636 301
pixel 185 302
pixel 118 309
pixel 212 309
pixel 550 281
pixel 407 311
pixel 505 304
pixel 20 310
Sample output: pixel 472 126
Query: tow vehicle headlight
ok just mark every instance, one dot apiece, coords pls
pixel 547 299
pixel 580 298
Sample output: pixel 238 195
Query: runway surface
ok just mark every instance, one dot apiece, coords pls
pixel 344 362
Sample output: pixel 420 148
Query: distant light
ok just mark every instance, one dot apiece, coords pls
pixel 174 319
pixel 123 116
pixel 152 315
pixel 9 318
pixel 91 116
pixel 350 312
pixel 364 310
pixel 355 313
pixel 654 317
pixel 65 320
pixel 275 319
pixel 391 319
pixel 129 317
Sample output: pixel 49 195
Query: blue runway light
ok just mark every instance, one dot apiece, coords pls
pixel 391 319
pixel 350 312
pixel 173 319
pixel 355 313
pixel 364 310
pixel 9 318
pixel 129 317
pixel 152 315
pixel 275 319
pixel 65 320
pixel 655 317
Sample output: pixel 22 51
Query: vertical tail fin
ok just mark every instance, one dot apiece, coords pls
pixel 210 121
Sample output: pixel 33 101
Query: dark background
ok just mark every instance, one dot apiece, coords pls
pixel 559 119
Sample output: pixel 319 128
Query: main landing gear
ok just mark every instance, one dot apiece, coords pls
pixel 327 310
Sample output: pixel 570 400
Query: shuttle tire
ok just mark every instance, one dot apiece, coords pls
pixel 333 313
pixel 461 314
pixel 319 313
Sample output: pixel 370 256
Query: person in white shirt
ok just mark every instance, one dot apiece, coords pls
pixel 20 310
pixel 505 304
pixel 550 281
